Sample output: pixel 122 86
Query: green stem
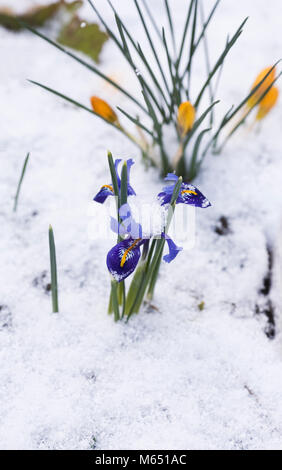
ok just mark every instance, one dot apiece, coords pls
pixel 123 298
pixel 155 266
pixel 114 295
pixel 154 278
pixel 136 286
pixel 139 285
pixel 110 306
pixel 151 268
pixel 115 299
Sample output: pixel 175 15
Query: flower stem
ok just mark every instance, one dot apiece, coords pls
pixel 115 300
pixel 148 272
pixel 114 295
pixel 110 307
pixel 155 266
pixel 137 287
pixel 154 278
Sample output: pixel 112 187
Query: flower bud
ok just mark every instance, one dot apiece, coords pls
pixel 253 100
pixel 267 103
pixel 186 117
pixel 104 110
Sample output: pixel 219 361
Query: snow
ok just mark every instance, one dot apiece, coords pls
pixel 176 376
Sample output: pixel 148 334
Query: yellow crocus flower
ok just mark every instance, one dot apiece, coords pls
pixel 186 117
pixel 253 100
pixel 267 103
pixel 104 110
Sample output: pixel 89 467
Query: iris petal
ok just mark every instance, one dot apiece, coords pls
pixel 103 194
pixel 135 229
pixel 188 194
pixel 120 229
pixel 171 177
pixel 107 189
pixel 130 190
pixel 192 196
pixel 173 249
pixel 125 211
pixel 128 224
pixel 129 162
pixel 123 258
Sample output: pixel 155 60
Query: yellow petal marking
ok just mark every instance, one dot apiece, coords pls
pixel 108 186
pixel 189 191
pixel 124 256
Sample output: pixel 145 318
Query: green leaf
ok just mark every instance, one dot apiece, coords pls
pixel 36 16
pixel 20 182
pixel 123 184
pixel 125 54
pixel 242 120
pixel 184 35
pixel 85 64
pixel 198 123
pixel 113 174
pixel 84 37
pixel 151 44
pixel 136 121
pixel 194 165
pixel 220 60
pixel 53 267
pixel 170 23
pixel 139 283
pixel 192 43
pixel 152 19
pixel 136 291
pixel 122 28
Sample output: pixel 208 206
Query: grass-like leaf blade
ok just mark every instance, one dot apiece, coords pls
pixel 53 267
pixel 20 182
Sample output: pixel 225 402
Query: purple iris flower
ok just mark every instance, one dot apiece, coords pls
pixel 108 190
pixel 123 258
pixel 188 194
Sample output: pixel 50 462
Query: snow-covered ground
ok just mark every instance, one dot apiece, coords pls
pixel 175 377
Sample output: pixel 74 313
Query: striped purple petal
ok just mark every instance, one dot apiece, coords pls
pixel 123 258
pixel 107 189
pixel 188 194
